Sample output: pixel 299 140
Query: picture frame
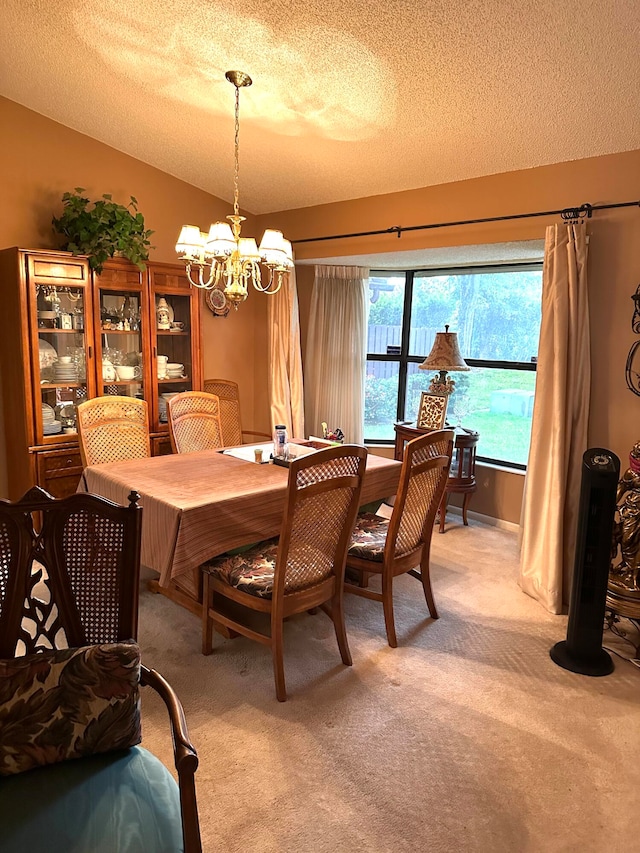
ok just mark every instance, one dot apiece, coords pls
pixel 432 411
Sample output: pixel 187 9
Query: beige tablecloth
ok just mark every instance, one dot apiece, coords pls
pixel 198 505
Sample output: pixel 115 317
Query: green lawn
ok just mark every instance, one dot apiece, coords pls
pixel 503 437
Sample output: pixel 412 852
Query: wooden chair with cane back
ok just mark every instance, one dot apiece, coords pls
pixel 229 395
pixel 391 547
pixel 300 570
pixel 112 428
pixel 194 422
pixel 72 776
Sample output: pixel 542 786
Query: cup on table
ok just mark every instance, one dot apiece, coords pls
pixel 258 454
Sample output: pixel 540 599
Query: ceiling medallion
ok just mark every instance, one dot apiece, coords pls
pixel 222 258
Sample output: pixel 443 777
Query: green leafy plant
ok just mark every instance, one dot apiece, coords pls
pixel 104 230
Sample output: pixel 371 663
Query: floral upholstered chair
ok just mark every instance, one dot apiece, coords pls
pixel 391 547
pixel 304 567
pixel 72 775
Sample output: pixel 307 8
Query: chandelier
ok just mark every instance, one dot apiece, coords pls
pixel 224 259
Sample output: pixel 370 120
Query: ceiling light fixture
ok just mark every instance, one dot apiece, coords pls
pixel 234 261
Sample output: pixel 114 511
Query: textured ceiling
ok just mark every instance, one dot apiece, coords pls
pixel 442 257
pixel 350 98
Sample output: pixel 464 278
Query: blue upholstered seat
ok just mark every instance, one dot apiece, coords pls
pixel 117 802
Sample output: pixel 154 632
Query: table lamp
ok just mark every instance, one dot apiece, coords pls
pixel 444 357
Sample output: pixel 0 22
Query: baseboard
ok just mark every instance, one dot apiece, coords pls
pixel 485 519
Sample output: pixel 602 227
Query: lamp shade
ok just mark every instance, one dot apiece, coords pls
pixel 220 240
pixel 190 241
pixel 445 353
pixel 248 249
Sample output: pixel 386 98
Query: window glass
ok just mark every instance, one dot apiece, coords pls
pixel 496 314
pixel 386 305
pixel 417 382
pixel 381 399
pixel 497 403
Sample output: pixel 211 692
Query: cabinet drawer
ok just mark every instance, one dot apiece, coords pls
pixel 59 463
pixel 58 471
pixel 161 446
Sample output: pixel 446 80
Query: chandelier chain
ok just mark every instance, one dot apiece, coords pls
pixel 236 171
pixel 222 258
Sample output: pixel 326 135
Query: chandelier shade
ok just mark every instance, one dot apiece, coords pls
pixel 224 259
pixel 445 356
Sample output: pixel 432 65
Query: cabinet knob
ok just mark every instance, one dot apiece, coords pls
pixel 69 463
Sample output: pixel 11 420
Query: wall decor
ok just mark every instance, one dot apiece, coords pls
pixel 632 368
pixel 216 302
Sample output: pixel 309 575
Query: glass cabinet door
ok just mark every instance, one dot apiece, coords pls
pixel 121 357
pixel 173 359
pixel 174 313
pixel 61 350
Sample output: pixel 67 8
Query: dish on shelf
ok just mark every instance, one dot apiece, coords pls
pixel 47 354
pixel 52 428
pixel 48 414
pixel 162 405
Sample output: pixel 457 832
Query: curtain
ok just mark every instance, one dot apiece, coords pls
pixel 285 359
pixel 336 355
pixel 560 420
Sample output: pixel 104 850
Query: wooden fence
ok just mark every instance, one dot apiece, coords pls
pixel 380 337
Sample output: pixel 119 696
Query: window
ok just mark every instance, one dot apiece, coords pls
pixel 496 312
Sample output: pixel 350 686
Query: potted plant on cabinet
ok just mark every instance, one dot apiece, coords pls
pixel 103 230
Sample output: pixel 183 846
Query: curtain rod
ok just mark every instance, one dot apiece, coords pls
pixel 569 214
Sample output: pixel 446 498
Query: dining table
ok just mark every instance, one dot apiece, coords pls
pixel 199 505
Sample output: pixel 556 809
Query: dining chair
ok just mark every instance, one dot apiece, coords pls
pixel 112 428
pixel 301 569
pixel 229 396
pixel 194 422
pixel 394 546
pixel 72 775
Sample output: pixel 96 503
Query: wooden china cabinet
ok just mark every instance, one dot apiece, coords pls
pixel 69 334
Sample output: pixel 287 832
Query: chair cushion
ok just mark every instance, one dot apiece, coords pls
pixel 369 537
pixel 126 801
pixel 68 703
pixel 252 571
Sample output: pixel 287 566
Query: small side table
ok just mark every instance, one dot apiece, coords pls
pixel 462 474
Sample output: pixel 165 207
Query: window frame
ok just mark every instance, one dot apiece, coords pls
pixel 404 359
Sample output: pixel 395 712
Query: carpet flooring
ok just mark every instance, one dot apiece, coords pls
pixel 467 737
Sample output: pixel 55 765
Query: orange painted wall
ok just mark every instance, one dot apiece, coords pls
pixel 613 269
pixel 42 159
